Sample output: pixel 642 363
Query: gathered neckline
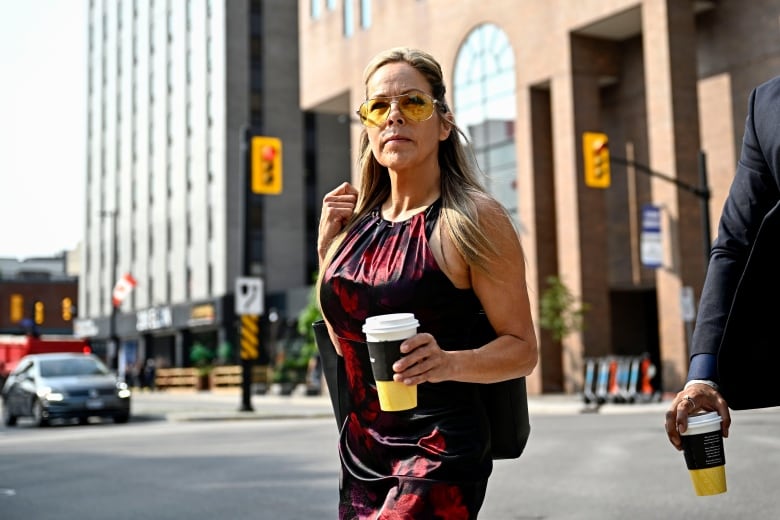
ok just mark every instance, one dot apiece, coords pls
pixel 377 212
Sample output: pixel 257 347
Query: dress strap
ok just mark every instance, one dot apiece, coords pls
pixel 431 217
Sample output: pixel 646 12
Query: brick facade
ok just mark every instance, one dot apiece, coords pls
pixel 665 79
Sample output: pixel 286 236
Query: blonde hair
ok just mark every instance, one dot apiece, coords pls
pixel 460 183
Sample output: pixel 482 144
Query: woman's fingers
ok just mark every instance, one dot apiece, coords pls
pixel 338 206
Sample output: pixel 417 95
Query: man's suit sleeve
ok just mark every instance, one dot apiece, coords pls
pixel 752 194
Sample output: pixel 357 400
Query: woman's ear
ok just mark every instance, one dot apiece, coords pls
pixel 445 127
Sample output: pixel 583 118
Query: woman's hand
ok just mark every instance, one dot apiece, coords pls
pixel 698 396
pixel 423 361
pixel 337 208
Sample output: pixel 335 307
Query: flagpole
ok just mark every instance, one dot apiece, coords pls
pixel 113 349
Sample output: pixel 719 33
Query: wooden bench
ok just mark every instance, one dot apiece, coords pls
pixel 222 376
pixel 176 378
pixel 233 375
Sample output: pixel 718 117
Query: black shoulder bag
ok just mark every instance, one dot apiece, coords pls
pixel 506 402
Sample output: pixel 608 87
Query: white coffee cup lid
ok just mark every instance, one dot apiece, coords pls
pixel 390 322
pixel 703 419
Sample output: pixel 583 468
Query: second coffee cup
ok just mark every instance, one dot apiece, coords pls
pixel 704 454
pixel 384 335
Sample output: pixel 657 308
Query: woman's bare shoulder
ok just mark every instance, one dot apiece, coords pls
pixel 490 212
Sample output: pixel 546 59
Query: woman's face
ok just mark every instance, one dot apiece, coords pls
pixel 400 143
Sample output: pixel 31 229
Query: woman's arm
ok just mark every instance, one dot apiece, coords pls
pixel 503 292
pixel 338 206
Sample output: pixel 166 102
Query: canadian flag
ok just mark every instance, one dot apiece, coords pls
pixel 122 288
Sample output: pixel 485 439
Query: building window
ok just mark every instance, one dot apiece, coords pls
pixel 365 14
pixel 349 19
pixel 485 106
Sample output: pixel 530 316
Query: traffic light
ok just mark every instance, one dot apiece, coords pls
pixel 266 165
pixel 67 309
pixel 595 151
pixel 38 312
pixel 17 308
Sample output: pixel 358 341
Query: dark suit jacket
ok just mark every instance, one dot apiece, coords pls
pixel 739 318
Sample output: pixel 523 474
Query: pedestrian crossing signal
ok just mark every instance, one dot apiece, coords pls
pixel 595 152
pixel 266 165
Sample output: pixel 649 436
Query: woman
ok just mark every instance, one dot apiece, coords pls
pixel 422 236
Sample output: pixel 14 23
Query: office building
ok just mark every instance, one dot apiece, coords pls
pixel 666 81
pixel 175 91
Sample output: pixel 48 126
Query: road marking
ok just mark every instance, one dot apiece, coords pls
pixel 7 492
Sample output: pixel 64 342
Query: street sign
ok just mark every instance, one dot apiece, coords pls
pixel 249 296
pixel 250 340
pixel 651 250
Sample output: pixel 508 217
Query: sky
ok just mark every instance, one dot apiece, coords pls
pixel 43 45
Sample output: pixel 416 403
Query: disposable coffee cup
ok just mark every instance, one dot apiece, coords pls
pixel 384 335
pixel 704 455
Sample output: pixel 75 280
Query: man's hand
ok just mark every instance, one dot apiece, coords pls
pixel 697 397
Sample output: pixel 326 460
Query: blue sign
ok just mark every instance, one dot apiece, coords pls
pixel 650 241
pixel 651 218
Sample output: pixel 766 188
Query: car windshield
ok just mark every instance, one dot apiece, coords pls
pixel 85 366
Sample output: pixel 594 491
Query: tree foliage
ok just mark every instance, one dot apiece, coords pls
pixel 561 313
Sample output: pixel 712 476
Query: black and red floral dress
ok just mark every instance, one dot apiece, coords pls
pixel 432 461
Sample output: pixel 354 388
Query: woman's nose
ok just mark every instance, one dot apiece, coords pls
pixel 394 112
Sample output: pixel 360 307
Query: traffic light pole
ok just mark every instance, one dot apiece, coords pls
pixel 702 192
pixel 246 362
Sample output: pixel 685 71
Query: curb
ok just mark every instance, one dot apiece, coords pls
pixel 204 406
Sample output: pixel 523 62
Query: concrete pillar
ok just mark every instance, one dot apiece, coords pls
pixel 669 41
pixel 580 211
pixel 536 190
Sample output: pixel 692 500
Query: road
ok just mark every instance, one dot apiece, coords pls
pixel 202 462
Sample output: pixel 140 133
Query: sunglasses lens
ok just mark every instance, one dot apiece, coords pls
pixel 415 105
pixel 374 111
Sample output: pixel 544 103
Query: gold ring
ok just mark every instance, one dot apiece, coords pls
pixel 690 400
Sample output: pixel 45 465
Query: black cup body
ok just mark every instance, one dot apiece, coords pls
pixel 704 450
pixel 383 354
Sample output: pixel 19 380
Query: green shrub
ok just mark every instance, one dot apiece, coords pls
pixel 202 358
pixel 560 313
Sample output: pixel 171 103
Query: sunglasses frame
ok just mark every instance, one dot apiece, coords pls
pixel 390 99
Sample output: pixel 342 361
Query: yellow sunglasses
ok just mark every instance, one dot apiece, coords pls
pixel 415 105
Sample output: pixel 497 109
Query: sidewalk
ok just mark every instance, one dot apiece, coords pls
pixel 188 405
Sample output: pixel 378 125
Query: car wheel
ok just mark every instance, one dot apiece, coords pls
pixel 9 419
pixel 37 414
pixel 121 419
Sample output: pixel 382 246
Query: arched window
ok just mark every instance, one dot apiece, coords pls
pixel 485 108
